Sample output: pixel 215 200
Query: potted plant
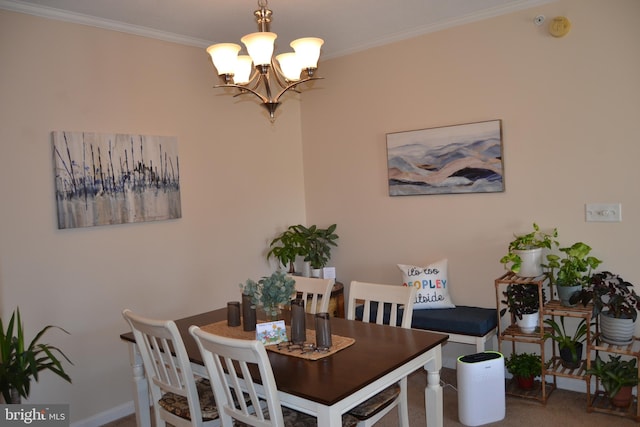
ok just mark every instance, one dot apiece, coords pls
pixel 524 256
pixel 617 377
pixel 270 292
pixel 523 302
pixel 570 347
pixel 19 365
pixel 571 273
pixel 317 245
pixel 617 304
pixel 286 247
pixel 524 367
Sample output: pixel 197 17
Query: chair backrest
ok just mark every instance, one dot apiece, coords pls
pixel 228 363
pixel 166 372
pixel 317 289
pixel 394 295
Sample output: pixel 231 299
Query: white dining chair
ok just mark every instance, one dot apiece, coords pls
pixel 227 361
pixel 391 298
pixel 318 289
pixel 178 398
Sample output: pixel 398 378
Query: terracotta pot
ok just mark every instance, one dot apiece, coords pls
pixel 525 383
pixel 622 399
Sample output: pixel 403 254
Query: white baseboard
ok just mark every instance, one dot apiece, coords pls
pixel 108 416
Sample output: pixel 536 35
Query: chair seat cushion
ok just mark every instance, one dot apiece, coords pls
pixel 463 320
pixel 179 406
pixel 375 404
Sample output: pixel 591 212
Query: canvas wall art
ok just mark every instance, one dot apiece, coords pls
pixel 105 179
pixel 463 158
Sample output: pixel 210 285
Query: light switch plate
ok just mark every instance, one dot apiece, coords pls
pixel 603 212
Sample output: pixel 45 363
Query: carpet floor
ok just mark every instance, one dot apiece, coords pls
pixel 563 408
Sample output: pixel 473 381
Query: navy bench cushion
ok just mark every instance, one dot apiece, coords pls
pixel 475 321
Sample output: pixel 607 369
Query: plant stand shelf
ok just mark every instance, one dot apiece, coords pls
pixel 537 392
pixel 512 333
pixel 599 402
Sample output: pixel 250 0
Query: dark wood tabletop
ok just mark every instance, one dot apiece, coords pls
pixel 377 351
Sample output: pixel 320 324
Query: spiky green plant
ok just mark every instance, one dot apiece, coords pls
pixel 20 365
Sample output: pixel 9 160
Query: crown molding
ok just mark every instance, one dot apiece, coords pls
pixel 92 21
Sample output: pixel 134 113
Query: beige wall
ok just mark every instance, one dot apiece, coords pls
pixel 241 182
pixel 569 110
pixel 570 121
pixel 570 115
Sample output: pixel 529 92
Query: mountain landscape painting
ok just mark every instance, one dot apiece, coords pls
pixel 105 179
pixel 446 160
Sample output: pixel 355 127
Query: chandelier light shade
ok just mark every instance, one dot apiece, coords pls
pixel 270 77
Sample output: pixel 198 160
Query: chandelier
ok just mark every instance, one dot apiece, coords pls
pixel 271 77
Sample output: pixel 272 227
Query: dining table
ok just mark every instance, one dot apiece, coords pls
pixel 326 388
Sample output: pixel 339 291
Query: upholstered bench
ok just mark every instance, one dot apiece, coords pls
pixel 463 324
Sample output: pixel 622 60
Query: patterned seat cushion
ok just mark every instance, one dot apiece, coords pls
pixel 179 406
pixel 377 403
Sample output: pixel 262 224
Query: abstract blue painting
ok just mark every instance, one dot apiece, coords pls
pixel 463 158
pixel 105 179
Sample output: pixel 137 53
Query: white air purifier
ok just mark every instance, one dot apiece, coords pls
pixel 481 392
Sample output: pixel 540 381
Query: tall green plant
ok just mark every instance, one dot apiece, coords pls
pixel 575 268
pixel 20 365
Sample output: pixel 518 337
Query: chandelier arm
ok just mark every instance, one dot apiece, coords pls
pixel 277 72
pixel 244 89
pixel 293 85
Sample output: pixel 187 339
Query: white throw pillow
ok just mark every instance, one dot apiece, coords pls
pixel 431 283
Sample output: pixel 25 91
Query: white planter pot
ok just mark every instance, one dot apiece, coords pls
pixel 531 262
pixel 616 331
pixel 316 272
pixel 529 322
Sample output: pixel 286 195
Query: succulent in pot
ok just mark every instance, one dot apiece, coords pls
pixel 572 272
pixel 524 254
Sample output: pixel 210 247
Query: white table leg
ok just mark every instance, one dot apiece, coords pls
pixel 140 388
pixel 433 392
pixel 328 416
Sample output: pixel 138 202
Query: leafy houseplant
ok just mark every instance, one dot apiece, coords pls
pixel 522 300
pixel 317 244
pixel 617 304
pixel 524 366
pixel 270 292
pixel 614 375
pixel 572 272
pixel 287 246
pixel 19 365
pixel 534 242
pixel 610 293
pixel 570 346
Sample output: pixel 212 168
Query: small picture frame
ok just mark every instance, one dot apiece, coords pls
pixel 270 333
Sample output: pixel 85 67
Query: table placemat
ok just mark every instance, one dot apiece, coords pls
pixel 338 342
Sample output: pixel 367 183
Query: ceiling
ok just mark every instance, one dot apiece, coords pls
pixel 347 26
